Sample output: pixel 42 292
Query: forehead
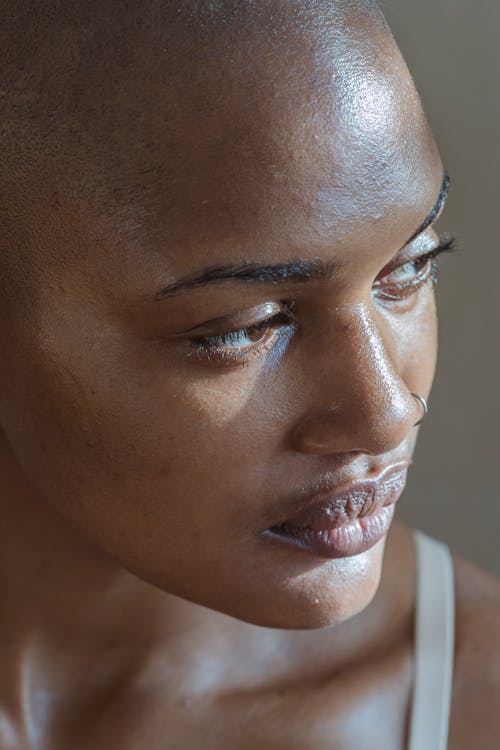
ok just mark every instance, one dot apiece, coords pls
pixel 247 138
pixel 320 138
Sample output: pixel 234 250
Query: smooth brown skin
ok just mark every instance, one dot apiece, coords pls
pixel 136 478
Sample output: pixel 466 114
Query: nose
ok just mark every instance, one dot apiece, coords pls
pixel 361 401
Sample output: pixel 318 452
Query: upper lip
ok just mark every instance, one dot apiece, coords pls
pixel 339 504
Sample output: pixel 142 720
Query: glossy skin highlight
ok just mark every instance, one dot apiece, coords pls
pixel 142 446
pixel 129 459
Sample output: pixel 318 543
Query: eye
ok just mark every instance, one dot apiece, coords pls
pixel 409 277
pixel 238 346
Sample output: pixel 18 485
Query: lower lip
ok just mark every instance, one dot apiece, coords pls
pixel 343 541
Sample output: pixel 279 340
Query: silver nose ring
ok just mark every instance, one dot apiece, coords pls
pixel 422 400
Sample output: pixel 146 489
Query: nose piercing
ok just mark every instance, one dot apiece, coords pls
pixel 422 400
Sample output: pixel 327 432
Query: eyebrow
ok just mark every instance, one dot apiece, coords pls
pixel 302 270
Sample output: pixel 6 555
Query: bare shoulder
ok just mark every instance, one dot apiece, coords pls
pixel 475 711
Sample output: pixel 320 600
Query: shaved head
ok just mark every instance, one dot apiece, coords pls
pixel 88 92
pixel 139 116
pixel 70 74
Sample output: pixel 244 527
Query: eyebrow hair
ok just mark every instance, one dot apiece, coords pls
pixel 443 194
pixel 302 270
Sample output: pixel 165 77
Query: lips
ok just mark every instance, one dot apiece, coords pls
pixel 353 501
pixel 347 520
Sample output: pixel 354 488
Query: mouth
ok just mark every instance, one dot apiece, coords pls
pixel 347 521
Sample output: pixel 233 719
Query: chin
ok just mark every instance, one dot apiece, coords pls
pixel 320 596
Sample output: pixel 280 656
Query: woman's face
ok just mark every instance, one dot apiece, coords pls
pixel 167 427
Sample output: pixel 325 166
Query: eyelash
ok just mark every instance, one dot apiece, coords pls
pixel 213 347
pixel 209 348
pixel 429 261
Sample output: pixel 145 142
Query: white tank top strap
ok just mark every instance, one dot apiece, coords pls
pixel 434 645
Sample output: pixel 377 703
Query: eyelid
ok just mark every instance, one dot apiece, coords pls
pixel 418 248
pixel 238 320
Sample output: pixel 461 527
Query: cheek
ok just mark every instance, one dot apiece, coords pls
pixel 120 422
pixel 131 447
pixel 145 456
pixel 418 345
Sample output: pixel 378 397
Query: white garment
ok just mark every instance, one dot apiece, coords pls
pixel 434 645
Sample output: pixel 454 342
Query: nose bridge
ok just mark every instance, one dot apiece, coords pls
pixel 371 361
pixel 367 405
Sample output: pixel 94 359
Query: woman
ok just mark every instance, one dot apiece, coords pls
pixel 218 339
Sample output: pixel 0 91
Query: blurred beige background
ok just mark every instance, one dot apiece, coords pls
pixel 452 48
